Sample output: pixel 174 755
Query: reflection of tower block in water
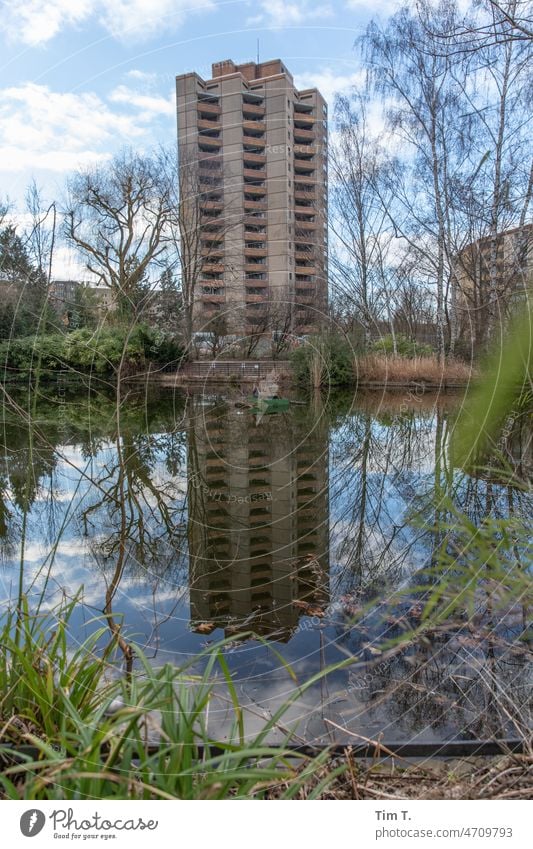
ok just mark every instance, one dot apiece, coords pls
pixel 258 523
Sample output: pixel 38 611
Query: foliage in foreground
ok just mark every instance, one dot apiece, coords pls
pixel 90 728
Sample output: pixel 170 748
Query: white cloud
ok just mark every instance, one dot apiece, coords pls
pixel 57 131
pixel 148 104
pixel 376 7
pixel 37 21
pixel 329 82
pixel 277 14
pixel 143 76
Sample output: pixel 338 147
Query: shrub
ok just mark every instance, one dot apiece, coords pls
pixel 86 350
pixel 325 360
pixel 405 347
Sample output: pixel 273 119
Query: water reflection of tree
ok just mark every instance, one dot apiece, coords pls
pixel 130 506
pixel 393 479
pixel 377 462
pixel 405 493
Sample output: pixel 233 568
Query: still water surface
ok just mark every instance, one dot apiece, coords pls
pixel 191 519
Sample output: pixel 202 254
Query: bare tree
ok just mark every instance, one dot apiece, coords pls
pixel 423 107
pixel 200 228
pixel 41 237
pixel 359 219
pixel 119 217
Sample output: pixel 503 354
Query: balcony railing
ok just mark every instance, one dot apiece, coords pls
pixel 254 173
pixel 255 191
pixel 251 112
pixel 255 158
pixel 206 124
pixel 209 142
pixel 304 151
pixel 255 204
pixel 213 267
pixel 303 121
pixel 209 109
pixel 213 299
pixel 253 141
pixel 303 135
pixel 255 126
pixel 211 205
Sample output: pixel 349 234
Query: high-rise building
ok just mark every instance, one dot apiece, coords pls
pixel 253 154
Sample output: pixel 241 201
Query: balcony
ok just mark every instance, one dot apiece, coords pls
pixel 306 300
pixel 304 151
pixel 208 109
pixel 254 174
pixel 304 255
pixel 254 158
pixel 301 228
pixel 307 270
pixel 256 299
pixel 213 299
pixel 301 207
pixel 255 266
pixel 213 267
pixel 259 205
pixel 211 284
pixel 303 108
pixel 304 167
pixel 304 135
pixel 206 143
pixel 206 125
pixel 215 253
pixel 304 180
pixel 207 97
pixel 209 162
pixel 253 110
pixel 209 206
pixel 255 252
pixel 212 241
pixel 303 120
pixel 304 195
pixel 256 191
pixel 210 183
pixel 254 221
pixel 254 126
pixel 253 142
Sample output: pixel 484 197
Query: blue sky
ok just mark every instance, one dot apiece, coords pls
pixel 80 78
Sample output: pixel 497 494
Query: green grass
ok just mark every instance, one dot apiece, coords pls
pixel 62 704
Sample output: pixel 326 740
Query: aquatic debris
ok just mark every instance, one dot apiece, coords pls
pixel 204 628
pixel 309 609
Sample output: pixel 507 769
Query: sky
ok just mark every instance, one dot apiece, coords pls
pixel 81 78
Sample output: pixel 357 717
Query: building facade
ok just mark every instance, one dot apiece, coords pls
pixel 493 278
pixel 253 153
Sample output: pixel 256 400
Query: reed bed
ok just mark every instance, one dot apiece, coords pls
pixel 393 369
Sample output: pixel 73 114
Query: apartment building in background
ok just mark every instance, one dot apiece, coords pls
pixel 255 150
pixel 480 299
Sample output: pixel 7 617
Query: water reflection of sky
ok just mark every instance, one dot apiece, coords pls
pixel 378 472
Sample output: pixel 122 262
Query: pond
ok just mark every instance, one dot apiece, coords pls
pixel 188 519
